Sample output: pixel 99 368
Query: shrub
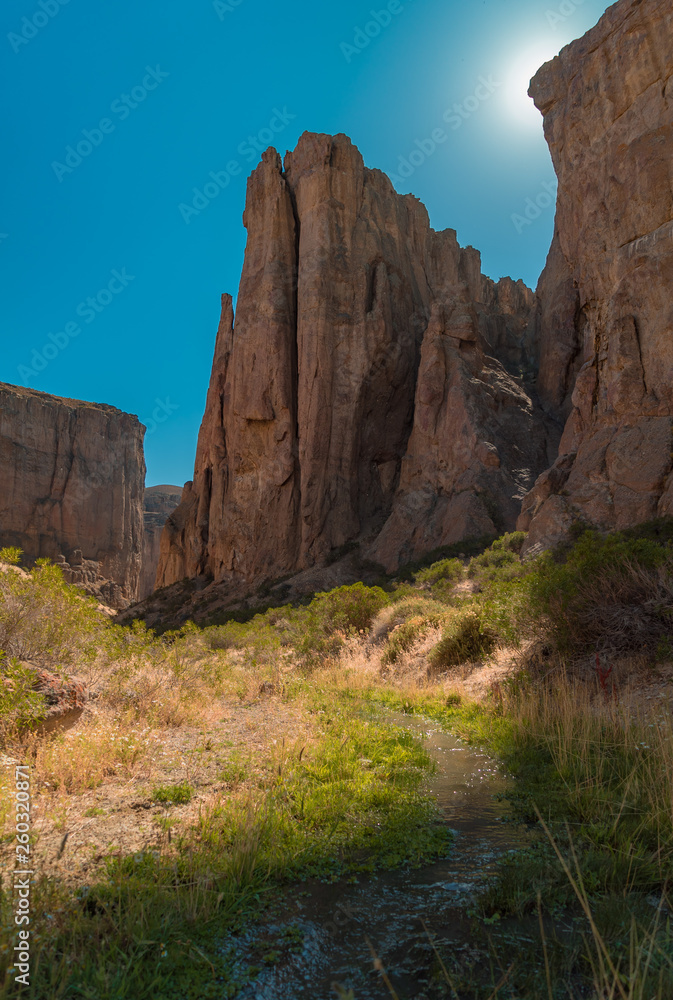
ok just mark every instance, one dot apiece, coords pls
pixel 348 608
pixel 612 592
pixel 411 606
pixel 461 550
pixel 334 616
pixel 466 637
pixel 450 570
pixel 500 561
pixel 46 621
pixel 20 705
pixel 10 556
pixel 403 637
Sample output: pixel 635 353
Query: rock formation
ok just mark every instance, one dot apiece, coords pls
pixel 64 700
pixel 72 489
pixel 160 502
pixel 605 302
pixel 366 392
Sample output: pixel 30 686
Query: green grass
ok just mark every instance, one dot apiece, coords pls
pixel 351 802
pixel 602 781
pixel 174 795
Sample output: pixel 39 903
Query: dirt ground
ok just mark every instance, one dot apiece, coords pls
pixel 75 832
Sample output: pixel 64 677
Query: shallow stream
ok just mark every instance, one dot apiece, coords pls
pixel 394 911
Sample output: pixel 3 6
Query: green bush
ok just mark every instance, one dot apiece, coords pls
pixel 321 628
pixel 10 556
pixel 46 621
pixel 20 705
pixel 412 605
pixel 461 550
pixel 500 561
pixel 348 609
pixel 466 637
pixel 613 591
pixel 450 570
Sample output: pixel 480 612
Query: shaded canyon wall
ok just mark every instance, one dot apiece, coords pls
pixel 73 476
pixel 366 390
pixel 605 299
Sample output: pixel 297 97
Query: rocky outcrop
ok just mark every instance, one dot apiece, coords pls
pixel 64 700
pixel 369 374
pixel 605 309
pixel 476 443
pixel 160 502
pixel 71 489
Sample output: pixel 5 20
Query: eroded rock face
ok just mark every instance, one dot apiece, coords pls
pixel 476 444
pixel 605 301
pixel 160 502
pixel 72 486
pixel 319 431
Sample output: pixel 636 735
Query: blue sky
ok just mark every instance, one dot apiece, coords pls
pixel 111 290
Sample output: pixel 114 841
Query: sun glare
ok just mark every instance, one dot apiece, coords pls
pixel 519 105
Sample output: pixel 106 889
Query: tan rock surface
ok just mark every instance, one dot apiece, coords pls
pixel 159 503
pixel 605 302
pixel 306 436
pixel 72 488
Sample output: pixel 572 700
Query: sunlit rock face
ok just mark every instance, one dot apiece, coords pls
pixel 71 489
pixel 606 295
pixel 366 392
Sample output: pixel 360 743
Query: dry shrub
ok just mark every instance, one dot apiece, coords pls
pixel 80 760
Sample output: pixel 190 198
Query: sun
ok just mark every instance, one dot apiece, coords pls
pixel 519 105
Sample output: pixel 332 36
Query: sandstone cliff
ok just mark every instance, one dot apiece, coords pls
pixel 368 380
pixel 72 489
pixel 159 503
pixel 605 307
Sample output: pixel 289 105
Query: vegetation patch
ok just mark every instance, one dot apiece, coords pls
pixel 173 795
pixel 592 775
pixel 466 637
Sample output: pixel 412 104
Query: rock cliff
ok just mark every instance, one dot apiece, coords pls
pixel 72 489
pixel 605 308
pixel 160 502
pixel 366 392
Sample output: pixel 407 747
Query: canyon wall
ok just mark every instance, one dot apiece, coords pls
pixel 605 300
pixel 73 476
pixel 158 505
pixel 366 391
